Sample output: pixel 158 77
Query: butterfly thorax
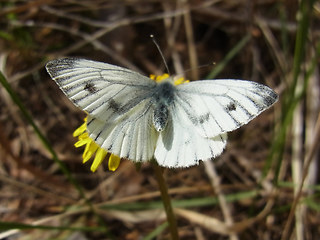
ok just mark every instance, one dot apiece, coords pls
pixel 163 99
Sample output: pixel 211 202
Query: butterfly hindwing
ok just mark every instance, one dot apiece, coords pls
pixel 132 136
pixel 181 146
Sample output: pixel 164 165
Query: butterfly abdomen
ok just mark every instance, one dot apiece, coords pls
pixel 163 99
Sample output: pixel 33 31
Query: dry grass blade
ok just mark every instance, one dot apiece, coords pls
pixel 215 182
pixel 211 224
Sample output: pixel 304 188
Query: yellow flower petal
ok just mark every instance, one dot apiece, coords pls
pixel 159 78
pixel 84 136
pixel 80 143
pixel 153 77
pixel 80 129
pixel 114 162
pixel 83 140
pixel 90 149
pixel 100 155
pixel 180 81
pixel 162 77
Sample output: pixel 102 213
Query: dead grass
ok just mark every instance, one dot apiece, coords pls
pixel 246 193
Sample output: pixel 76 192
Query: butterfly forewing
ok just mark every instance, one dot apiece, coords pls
pixel 104 91
pixel 218 106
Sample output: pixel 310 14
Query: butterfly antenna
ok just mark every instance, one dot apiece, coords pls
pixel 161 54
pixel 201 66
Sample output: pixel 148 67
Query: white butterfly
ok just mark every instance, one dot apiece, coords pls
pixel 134 117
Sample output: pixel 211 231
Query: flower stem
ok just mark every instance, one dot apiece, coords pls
pixel 166 201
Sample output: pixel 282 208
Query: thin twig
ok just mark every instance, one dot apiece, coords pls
pixel 296 166
pixel 191 45
pixel 172 27
pixel 215 182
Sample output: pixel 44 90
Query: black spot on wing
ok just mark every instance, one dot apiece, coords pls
pixel 231 107
pixel 114 105
pixel 237 104
pixel 204 118
pixel 90 87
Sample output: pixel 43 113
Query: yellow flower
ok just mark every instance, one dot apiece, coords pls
pixel 176 81
pixel 93 149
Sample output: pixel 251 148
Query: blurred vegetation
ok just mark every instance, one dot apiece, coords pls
pixel 264 186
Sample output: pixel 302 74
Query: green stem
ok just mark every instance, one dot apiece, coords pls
pixel 166 201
